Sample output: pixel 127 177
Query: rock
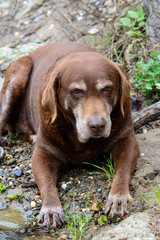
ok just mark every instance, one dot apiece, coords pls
pixel 19 150
pixel 18 173
pixel 134 227
pixel 99 190
pixel 95 228
pixel 8 53
pixel 33 204
pixel 8 156
pixel 64 186
pixel 63 236
pixel 1 153
pixel 11 161
pixel 96 206
pixel 152 9
pixel 93 30
pixel 11 184
pixel 27 185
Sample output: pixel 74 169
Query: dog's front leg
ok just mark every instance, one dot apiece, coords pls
pixel 125 154
pixel 45 169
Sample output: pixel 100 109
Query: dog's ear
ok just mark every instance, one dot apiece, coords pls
pixel 124 90
pixel 49 96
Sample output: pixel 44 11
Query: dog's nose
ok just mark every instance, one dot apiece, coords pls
pixel 97 125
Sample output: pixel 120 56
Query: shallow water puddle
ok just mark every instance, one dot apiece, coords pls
pixel 11 224
pixel 11 219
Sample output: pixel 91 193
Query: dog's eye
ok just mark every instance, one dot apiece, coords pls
pixel 76 91
pixel 107 89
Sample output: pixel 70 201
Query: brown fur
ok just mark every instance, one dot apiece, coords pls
pixel 45 84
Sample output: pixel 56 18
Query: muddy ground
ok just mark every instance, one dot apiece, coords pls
pixel 22 30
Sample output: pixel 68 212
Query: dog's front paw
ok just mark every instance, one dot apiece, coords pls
pixel 117 205
pixel 52 217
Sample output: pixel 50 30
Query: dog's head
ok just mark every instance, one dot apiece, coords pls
pixel 86 87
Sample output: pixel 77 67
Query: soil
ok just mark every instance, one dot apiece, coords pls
pixel 86 22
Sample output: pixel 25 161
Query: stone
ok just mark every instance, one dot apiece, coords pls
pixel 11 161
pixel 93 31
pixel 63 236
pixel 152 9
pixel 1 153
pixel 97 206
pixel 33 204
pixel 135 227
pixel 19 150
pixel 18 173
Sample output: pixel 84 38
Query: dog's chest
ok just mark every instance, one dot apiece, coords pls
pixel 78 154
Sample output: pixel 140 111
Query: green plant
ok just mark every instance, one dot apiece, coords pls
pixel 76 224
pixel 157 197
pixel 105 166
pixel 148 76
pixel 103 220
pixel 35 221
pixel 13 136
pixel 2 188
pixel 135 23
pixel 14 196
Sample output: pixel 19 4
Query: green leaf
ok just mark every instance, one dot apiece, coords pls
pixel 139 63
pixel 133 14
pixel 142 24
pixel 157 85
pixel 154 54
pixel 145 199
pixel 14 196
pixel 126 21
pixel 156 193
pixel 148 86
pixel 2 188
pixel 101 223
pixel 105 218
pixel 141 12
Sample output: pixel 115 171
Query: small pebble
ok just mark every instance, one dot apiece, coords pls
pixel 33 204
pixel 64 236
pixel 37 197
pixel 8 156
pixel 99 190
pixel 124 217
pixel 96 206
pixel 11 161
pixel 1 153
pixel 19 150
pixel 18 173
pixel 26 208
pixel 145 130
pixel 93 31
pixel 64 185
pixel 11 184
pixel 95 228
pixel 118 220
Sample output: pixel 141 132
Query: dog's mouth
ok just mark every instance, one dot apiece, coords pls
pixel 84 137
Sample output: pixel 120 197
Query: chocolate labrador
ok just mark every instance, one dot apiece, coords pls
pixel 77 103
